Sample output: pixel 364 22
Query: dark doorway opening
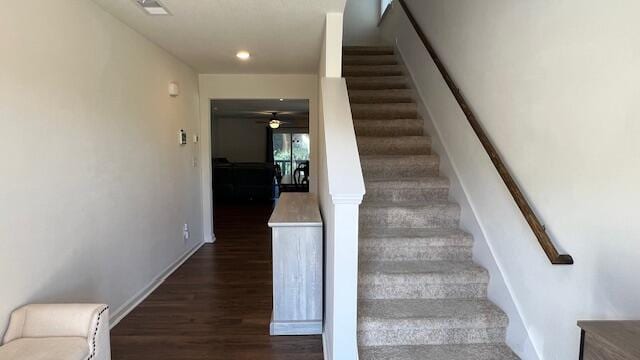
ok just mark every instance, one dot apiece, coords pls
pixel 259 149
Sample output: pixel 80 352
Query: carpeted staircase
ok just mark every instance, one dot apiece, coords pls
pixel 420 294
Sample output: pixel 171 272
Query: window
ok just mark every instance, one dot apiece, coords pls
pixel 383 6
pixel 290 149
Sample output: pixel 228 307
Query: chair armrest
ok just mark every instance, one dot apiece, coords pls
pixel 55 320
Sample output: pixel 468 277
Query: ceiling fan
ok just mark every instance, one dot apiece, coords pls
pixel 274 122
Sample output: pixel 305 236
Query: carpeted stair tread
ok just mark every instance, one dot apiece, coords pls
pixel 429 322
pixel 421 280
pixel 406 244
pixel 377 82
pixel 407 204
pixel 384 111
pixel 408 214
pixel 424 189
pixel 432 236
pixel 397 145
pixel 463 271
pixel 385 166
pixel 409 183
pixel 432 313
pixel 438 352
pixel 395 127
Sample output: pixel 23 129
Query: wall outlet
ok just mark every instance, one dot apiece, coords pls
pixel 185 232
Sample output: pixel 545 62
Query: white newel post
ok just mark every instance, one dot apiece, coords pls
pixel 346 278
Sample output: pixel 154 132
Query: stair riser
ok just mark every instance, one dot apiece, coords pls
pixel 397 195
pixel 373 172
pixel 371 70
pixel 398 96
pixel 369 60
pixel 383 112
pixel 382 83
pixel 364 129
pixel 428 217
pixel 367 51
pixel 439 352
pixel 394 146
pixel 388 169
pixel 417 290
pixel 426 336
pixel 410 253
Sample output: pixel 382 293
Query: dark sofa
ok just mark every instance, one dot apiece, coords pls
pixel 242 181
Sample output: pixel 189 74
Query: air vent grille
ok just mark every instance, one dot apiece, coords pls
pixel 153 7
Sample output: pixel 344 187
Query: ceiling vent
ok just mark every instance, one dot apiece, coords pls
pixel 152 7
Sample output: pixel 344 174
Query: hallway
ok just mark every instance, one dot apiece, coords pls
pixel 218 304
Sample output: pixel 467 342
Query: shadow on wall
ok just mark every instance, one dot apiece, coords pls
pixel 361 22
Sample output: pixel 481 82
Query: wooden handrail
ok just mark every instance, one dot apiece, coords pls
pixel 528 213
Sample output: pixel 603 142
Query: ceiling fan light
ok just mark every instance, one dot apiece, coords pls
pixel 274 124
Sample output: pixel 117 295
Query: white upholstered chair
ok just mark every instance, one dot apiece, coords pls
pixel 58 332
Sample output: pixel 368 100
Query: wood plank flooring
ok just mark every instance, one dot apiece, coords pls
pixel 218 304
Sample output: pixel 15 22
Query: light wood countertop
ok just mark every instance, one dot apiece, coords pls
pixel 624 336
pixel 296 209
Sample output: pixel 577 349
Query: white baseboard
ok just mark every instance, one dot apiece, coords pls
pixel 211 239
pixel 324 347
pixel 127 307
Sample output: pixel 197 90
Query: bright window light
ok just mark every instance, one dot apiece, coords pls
pixel 383 6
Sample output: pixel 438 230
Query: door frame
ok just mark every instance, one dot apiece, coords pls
pixel 259 87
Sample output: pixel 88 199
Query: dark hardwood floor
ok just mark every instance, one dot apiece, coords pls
pixel 218 304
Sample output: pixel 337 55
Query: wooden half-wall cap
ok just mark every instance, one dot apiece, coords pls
pixel 610 339
pixel 296 209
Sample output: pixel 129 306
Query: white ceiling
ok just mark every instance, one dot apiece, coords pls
pixel 283 36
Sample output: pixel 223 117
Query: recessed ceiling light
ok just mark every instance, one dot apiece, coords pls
pixel 243 55
pixel 152 7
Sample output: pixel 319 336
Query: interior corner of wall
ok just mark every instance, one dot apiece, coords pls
pixel 332 46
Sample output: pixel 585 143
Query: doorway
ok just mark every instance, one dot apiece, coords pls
pixel 260 148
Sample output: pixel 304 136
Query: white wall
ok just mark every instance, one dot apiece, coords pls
pixel 555 86
pixel 248 86
pixel 240 140
pixel 330 64
pixel 361 22
pixel 94 188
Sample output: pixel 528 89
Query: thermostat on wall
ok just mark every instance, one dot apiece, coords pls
pixel 182 137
